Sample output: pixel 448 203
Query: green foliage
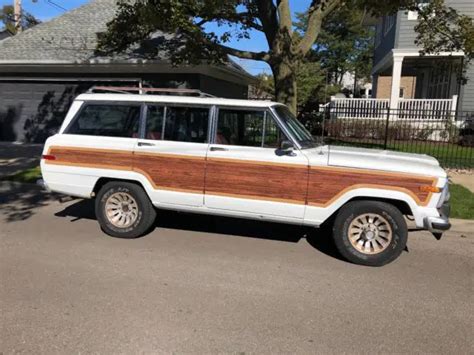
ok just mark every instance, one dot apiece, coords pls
pixel 27 176
pixel 344 43
pixel 179 28
pixel 442 28
pixel 312 84
pixel 8 18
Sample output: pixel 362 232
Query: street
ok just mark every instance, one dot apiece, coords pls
pixel 203 284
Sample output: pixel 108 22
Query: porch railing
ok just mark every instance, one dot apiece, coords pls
pixel 428 109
pixel 420 109
pixel 359 108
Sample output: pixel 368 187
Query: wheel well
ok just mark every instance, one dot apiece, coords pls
pixel 402 206
pixel 103 180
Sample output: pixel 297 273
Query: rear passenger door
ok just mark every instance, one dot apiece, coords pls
pixel 171 152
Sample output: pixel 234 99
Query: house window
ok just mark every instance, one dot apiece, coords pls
pixel 439 83
pixel 402 93
pixel 388 23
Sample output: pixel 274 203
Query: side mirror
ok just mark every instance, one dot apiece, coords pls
pixel 286 148
pixel 286 145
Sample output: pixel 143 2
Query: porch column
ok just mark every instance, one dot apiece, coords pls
pixel 396 78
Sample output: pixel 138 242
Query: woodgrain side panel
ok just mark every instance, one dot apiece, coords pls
pixel 298 184
pixel 327 184
pixel 173 172
pixel 255 180
pixel 98 158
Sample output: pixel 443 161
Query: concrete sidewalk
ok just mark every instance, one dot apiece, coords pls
pixel 15 157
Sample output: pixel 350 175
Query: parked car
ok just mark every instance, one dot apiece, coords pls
pixel 250 159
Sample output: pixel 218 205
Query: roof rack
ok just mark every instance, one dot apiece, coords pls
pixel 132 89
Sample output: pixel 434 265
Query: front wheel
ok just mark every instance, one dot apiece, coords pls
pixel 370 233
pixel 124 210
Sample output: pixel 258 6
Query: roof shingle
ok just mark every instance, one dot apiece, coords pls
pixel 71 37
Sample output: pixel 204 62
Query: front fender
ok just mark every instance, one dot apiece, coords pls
pixel 316 215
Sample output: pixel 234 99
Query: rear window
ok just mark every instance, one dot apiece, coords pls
pixel 107 120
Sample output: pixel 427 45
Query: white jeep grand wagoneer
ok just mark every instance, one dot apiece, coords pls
pixel 250 159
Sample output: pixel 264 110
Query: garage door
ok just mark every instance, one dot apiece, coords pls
pixel 31 111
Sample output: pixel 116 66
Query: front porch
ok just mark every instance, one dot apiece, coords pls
pixel 407 86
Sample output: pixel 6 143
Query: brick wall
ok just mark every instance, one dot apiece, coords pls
pixel 384 84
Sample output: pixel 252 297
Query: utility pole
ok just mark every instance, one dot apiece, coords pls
pixel 17 15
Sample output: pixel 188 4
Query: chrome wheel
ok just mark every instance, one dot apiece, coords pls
pixel 121 209
pixel 370 233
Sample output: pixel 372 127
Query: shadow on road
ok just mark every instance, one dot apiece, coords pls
pixel 20 201
pixel 18 157
pixel 318 239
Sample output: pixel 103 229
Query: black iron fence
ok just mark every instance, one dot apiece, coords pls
pixel 445 135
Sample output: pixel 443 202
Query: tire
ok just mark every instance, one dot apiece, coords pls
pixel 130 212
pixel 370 233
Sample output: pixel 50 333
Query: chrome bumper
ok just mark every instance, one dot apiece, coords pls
pixel 437 225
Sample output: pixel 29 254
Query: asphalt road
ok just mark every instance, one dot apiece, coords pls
pixel 202 284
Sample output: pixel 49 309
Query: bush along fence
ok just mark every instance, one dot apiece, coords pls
pixel 445 135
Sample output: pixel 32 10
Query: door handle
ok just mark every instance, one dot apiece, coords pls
pixel 145 144
pixel 218 149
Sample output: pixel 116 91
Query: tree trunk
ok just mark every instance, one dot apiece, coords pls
pixel 284 75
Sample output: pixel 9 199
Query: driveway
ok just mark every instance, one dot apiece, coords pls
pixel 200 284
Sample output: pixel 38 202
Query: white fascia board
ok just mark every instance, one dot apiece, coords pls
pixel 402 53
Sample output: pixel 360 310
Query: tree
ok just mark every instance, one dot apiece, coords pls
pixel 7 16
pixel 137 20
pixel 343 45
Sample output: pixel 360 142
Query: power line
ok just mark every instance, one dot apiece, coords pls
pixel 57 6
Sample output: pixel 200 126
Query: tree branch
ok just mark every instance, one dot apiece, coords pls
pixel 246 19
pixel 264 56
pixel 268 16
pixel 284 16
pixel 317 11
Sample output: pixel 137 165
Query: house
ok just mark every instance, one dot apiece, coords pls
pixel 43 68
pixel 408 80
pixel 406 85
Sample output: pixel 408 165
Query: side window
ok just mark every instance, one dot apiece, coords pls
pixel 247 128
pixel 107 120
pixel 186 124
pixel 154 122
pixel 240 127
pixel 273 134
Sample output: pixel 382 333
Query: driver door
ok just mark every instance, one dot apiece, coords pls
pixel 247 172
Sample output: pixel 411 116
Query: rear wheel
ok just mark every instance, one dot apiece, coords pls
pixel 370 232
pixel 124 210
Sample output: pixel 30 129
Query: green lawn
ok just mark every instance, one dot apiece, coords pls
pixel 27 176
pixel 462 202
pixel 449 155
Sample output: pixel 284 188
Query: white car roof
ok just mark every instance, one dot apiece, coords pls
pixel 176 100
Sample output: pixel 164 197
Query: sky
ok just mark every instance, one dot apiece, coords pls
pixel 48 9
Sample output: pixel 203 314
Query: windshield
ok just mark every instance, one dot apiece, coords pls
pixel 301 134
